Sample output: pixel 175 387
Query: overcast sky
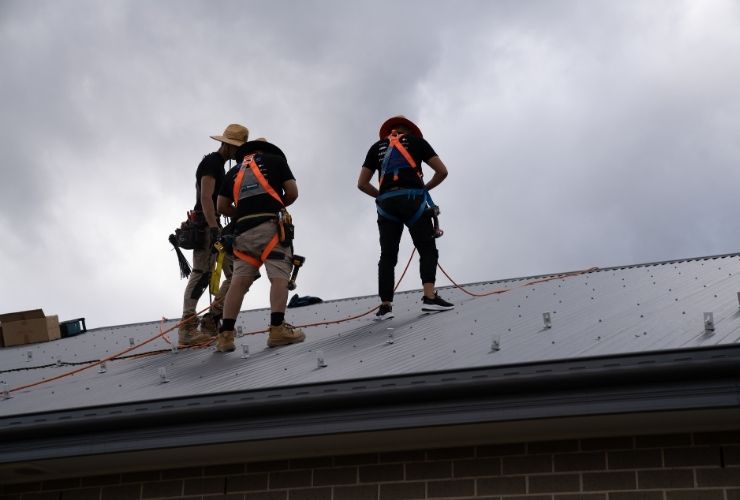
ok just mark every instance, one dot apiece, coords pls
pixel 576 133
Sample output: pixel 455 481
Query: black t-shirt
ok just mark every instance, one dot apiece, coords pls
pixel 211 165
pixel 275 170
pixel 419 149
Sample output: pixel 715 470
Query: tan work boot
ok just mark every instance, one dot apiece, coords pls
pixel 284 334
pixel 188 333
pixel 209 325
pixel 225 341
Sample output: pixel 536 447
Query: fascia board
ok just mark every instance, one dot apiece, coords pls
pixel 706 378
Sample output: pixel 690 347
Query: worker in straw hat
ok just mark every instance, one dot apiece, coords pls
pixel 209 177
pixel 402 199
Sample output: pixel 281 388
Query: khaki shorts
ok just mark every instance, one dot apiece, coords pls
pixel 253 242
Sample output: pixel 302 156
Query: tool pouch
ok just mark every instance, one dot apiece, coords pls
pixel 191 235
pixel 287 229
pixel 288 234
pixel 226 241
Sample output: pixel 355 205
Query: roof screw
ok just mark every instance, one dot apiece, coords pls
pixel 245 351
pixel 239 331
pixel 173 347
pixel 390 339
pixel 59 361
pixel 29 355
pixel 6 392
pixel 548 321
pixel 708 323
pixel 102 368
pixel 131 341
pixel 495 343
pixel 163 375
pixel 320 362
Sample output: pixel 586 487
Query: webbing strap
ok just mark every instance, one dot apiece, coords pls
pixel 257 262
pixel 394 141
pixel 257 175
pixel 411 193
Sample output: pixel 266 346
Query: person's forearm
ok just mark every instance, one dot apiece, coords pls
pixel 435 181
pixel 210 214
pixel 368 189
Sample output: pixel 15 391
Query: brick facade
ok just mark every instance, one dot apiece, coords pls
pixel 700 466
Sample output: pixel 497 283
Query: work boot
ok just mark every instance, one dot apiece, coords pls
pixel 188 333
pixel 209 324
pixel 225 341
pixel 284 334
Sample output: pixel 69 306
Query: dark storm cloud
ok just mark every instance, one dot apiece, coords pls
pixel 577 133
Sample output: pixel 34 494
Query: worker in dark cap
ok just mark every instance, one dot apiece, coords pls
pixel 254 194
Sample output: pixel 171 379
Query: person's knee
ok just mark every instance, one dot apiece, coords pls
pixel 388 259
pixel 240 284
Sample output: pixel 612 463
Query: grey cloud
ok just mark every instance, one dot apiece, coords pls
pixel 577 133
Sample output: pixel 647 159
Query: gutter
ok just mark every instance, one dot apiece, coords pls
pixel 675 380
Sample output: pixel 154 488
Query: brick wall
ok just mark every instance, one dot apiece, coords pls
pixel 700 466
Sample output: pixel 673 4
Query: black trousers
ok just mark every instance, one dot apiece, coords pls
pixel 422 234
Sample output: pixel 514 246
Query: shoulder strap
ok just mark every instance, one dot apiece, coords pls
pixel 258 176
pixel 394 142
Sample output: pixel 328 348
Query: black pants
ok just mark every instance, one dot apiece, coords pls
pixel 422 234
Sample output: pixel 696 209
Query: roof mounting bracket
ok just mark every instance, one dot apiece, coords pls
pixel 320 362
pixel 495 343
pixel 548 321
pixel 708 323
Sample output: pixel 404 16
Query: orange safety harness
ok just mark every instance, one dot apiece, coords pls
pixel 250 163
pixel 391 164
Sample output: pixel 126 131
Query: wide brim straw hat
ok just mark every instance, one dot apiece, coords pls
pixel 394 121
pixel 235 134
pixel 261 145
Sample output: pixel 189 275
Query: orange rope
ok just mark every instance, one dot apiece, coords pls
pixel 162 333
pixel 109 358
pixel 533 282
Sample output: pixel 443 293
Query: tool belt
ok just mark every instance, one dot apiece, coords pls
pixel 191 235
pixel 283 237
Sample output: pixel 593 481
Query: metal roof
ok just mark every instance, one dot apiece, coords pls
pixel 616 311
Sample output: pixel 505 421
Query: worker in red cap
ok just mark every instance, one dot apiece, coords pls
pixel 402 199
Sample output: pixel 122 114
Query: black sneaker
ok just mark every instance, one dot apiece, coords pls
pixel 435 304
pixel 385 311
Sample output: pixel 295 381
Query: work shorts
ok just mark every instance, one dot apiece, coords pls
pixel 279 263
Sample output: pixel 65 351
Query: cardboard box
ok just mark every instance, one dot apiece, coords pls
pixel 52 327
pixel 25 327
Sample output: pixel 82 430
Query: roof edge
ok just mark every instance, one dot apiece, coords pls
pixel 707 378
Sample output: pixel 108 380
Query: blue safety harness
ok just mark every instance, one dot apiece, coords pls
pixel 397 157
pixel 410 193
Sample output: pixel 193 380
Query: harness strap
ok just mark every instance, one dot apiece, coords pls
pixel 249 259
pixel 394 141
pixel 257 175
pixel 427 202
pixel 254 216
pixel 257 262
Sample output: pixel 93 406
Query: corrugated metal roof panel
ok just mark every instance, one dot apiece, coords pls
pixel 643 308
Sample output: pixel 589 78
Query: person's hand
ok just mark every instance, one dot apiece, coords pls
pixel 214 233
